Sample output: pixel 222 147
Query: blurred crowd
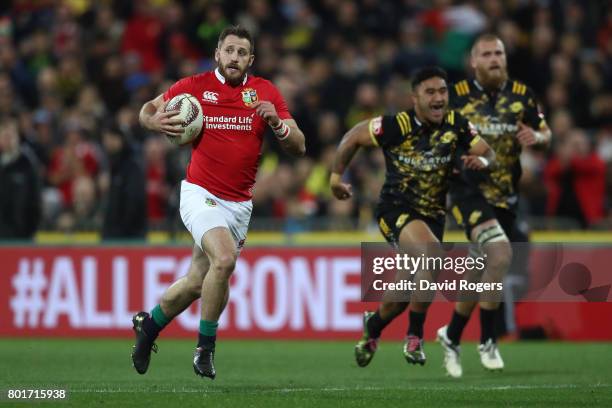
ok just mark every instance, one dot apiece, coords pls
pixel 74 74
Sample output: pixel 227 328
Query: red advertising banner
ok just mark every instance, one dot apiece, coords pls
pixel 276 292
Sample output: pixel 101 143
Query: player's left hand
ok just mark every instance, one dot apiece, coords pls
pixel 267 111
pixel 473 162
pixel 526 135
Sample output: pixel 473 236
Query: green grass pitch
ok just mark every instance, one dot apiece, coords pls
pixel 273 374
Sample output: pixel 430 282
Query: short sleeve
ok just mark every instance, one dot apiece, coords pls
pixel 458 94
pixel 386 131
pixel 533 113
pixel 184 85
pixel 280 105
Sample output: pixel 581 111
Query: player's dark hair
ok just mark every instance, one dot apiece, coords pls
pixel 239 32
pixel 423 74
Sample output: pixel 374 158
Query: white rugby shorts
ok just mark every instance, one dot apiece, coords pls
pixel 202 211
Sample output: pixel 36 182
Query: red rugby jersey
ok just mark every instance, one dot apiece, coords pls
pixel 225 159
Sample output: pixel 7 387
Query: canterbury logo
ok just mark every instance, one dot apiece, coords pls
pixel 210 96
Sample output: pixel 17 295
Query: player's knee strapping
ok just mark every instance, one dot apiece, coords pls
pixel 494 233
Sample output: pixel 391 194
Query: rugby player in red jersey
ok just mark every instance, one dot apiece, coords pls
pixel 215 202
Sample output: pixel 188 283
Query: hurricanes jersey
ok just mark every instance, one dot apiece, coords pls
pixel 419 158
pixel 496 118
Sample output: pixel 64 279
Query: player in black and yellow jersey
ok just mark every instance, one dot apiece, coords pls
pixel 506 114
pixel 419 148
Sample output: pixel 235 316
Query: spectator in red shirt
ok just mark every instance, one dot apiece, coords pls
pixel 157 188
pixel 74 158
pixel 142 36
pixel 575 179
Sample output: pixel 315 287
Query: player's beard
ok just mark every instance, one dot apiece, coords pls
pixel 492 79
pixel 232 80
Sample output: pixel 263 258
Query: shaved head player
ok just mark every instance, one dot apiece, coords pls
pixel 506 114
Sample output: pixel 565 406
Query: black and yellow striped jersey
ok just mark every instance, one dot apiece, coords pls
pixel 496 117
pixel 420 158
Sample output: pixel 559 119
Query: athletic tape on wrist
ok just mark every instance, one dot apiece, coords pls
pixel 484 161
pixel 539 137
pixel 282 132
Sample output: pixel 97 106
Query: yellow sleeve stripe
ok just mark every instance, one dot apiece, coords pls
pixel 404 122
pixel 457 215
pixel 519 88
pixel 407 121
pixel 474 141
pixel 451 117
pixel 371 132
pixel 462 88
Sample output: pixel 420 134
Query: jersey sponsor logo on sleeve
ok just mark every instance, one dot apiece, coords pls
pixel 210 96
pixel 376 129
pixel 249 96
pixel 376 126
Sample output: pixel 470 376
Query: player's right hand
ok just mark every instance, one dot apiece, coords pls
pixel 340 190
pixel 473 162
pixel 165 122
pixel 526 135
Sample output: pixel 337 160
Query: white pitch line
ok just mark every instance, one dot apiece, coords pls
pixel 344 389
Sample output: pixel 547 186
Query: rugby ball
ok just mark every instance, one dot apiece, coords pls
pixel 190 112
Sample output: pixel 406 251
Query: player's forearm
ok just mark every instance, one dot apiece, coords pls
pixel 147 111
pixel 295 143
pixel 489 156
pixel 346 150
